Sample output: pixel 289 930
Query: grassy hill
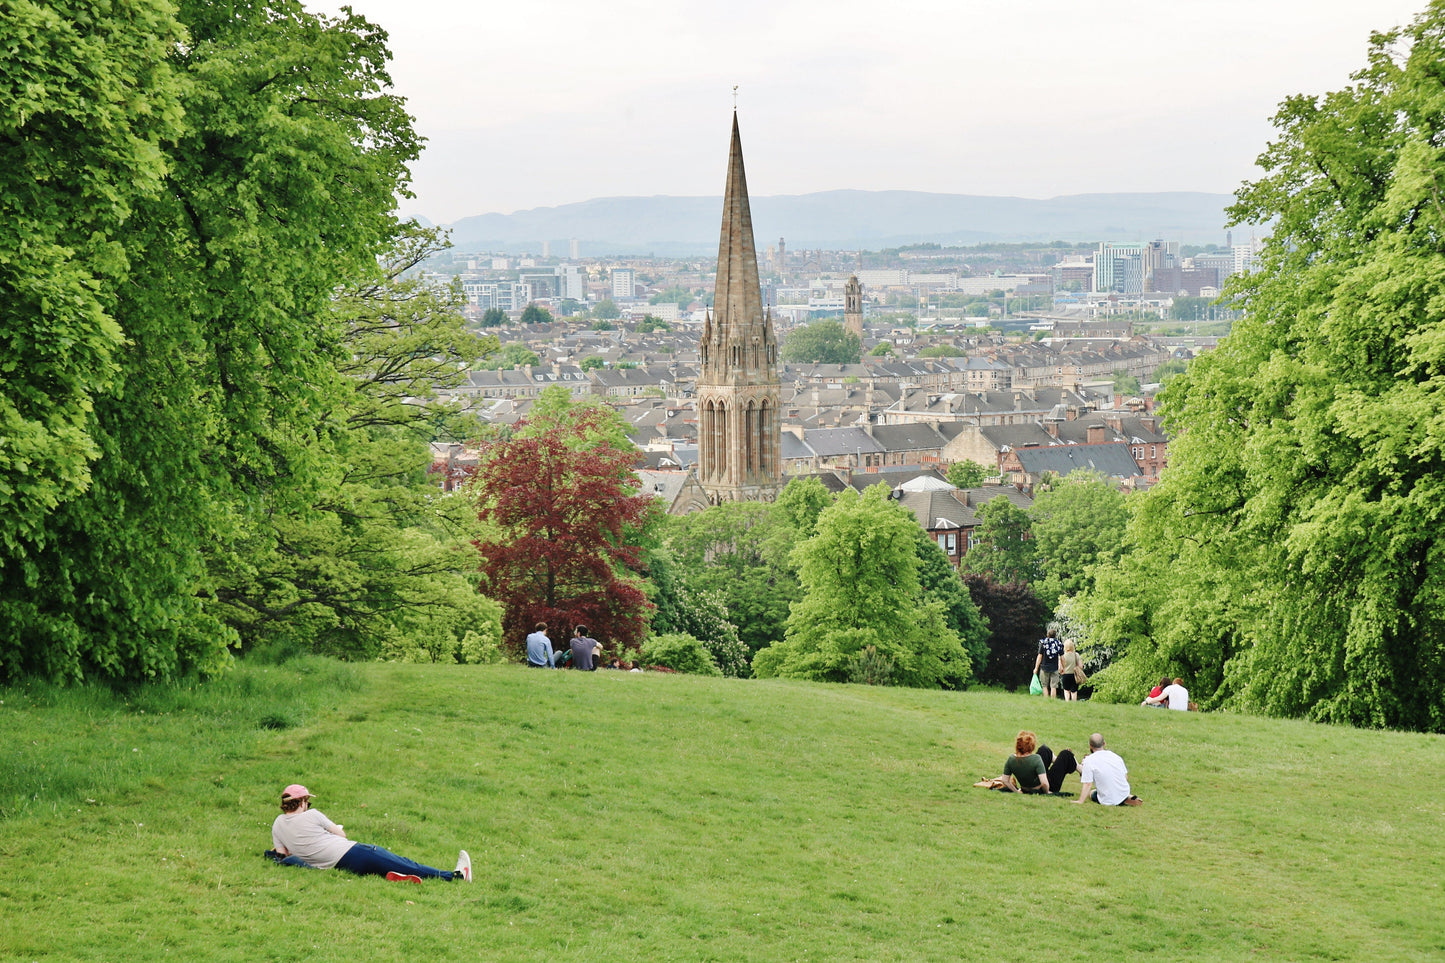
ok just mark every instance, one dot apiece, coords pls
pixel 620 816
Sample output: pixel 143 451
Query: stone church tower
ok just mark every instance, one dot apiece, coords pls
pixel 853 307
pixel 739 434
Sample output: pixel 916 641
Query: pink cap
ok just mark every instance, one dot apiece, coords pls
pixel 295 791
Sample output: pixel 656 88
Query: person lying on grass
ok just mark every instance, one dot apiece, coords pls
pixel 1032 769
pixel 305 836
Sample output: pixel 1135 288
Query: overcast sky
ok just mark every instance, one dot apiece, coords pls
pixel 538 103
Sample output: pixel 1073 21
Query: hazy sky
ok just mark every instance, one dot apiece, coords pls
pixel 535 103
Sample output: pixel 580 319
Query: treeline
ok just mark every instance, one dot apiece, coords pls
pixel 1291 561
pixel 210 435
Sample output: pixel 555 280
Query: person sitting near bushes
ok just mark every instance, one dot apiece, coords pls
pixel 1173 695
pixel 1154 694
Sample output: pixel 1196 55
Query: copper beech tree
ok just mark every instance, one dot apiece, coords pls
pixel 568 515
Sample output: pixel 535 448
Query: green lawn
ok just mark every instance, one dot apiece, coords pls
pixel 616 816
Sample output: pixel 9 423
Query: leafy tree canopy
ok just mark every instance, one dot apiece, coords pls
pixel 1077 523
pixel 941 351
pixel 568 524
pixel 742 552
pixel 494 318
pixel 536 314
pixel 822 342
pixel 512 355
pixel 586 422
pixel 862 602
pixel 967 474
pixel 606 309
pixel 1003 545
pixel 679 296
pixel 173 316
pixel 1016 619
pixel 1126 384
pixel 1299 525
pixel 801 501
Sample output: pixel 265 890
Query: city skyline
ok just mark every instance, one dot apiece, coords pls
pixel 555 101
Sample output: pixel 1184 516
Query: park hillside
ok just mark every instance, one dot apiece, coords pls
pixel 645 816
pixel 227 563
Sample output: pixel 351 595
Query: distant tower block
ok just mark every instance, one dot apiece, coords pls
pixel 853 307
pixel 739 431
pixel 546 249
pixel 782 255
pixel 572 247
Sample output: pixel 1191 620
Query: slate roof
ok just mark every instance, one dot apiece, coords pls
pixel 835 442
pixel 921 436
pixel 1111 461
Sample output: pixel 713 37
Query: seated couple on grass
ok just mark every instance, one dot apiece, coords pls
pixel 1033 769
pixel 303 836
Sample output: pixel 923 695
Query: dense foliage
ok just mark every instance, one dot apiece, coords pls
pixel 566 516
pixel 822 342
pixel 1016 620
pixel 1292 555
pixel 967 474
pixel 862 603
pixel 376 562
pixel 1003 545
pixel 183 190
pixel 699 613
pixel 680 651
pixel 741 551
pixel 1076 523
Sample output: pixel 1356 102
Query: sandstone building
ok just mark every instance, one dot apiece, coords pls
pixel 739 435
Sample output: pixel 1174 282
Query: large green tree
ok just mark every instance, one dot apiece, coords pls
pixel 88 98
pixel 1003 543
pixel 1077 523
pixel 742 551
pixel 863 607
pixel 377 562
pixel 1304 499
pixel 230 226
pixel 822 342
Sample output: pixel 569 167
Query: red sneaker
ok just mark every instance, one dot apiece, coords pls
pixel 402 878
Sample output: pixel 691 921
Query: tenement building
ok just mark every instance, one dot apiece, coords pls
pixel 739 435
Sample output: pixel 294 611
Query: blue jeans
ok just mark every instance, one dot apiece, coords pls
pixel 363 859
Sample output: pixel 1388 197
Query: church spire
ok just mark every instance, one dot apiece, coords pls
pixel 737 295
pixel 739 434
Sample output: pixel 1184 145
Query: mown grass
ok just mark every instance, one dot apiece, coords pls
pixel 616 816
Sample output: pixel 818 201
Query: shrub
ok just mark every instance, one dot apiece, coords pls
pixel 676 650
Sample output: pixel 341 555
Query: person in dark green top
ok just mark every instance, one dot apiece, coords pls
pixel 1024 771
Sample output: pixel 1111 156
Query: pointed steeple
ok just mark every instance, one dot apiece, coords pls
pixel 739 438
pixel 737 296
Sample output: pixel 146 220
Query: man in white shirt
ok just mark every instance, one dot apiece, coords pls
pixel 1104 777
pixel 1174 694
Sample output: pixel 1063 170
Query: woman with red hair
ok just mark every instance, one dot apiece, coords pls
pixel 1033 768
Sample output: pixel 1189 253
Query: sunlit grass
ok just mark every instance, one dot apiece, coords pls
pixel 616 816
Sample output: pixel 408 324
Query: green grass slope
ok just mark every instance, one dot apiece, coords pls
pixel 616 816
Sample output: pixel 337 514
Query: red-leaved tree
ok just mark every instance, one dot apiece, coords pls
pixel 568 514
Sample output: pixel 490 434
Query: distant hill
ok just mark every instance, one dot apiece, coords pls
pixel 848 219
